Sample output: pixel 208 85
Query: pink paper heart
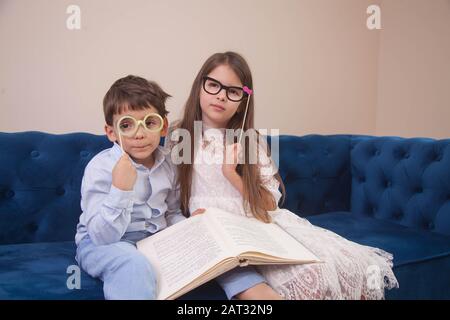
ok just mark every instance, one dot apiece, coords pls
pixel 247 90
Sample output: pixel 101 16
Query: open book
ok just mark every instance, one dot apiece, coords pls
pixel 198 249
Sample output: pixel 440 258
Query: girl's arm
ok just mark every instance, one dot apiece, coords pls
pixel 236 180
pixel 229 171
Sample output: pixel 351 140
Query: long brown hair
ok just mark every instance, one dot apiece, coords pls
pixel 253 194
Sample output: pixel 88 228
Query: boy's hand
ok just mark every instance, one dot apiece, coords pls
pixel 124 174
pixel 198 211
pixel 231 157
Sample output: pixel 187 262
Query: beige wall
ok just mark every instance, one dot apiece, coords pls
pixel 316 67
pixel 414 69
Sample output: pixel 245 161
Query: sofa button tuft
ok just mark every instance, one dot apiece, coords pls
pixel 60 191
pixel 398 216
pixel 34 154
pixel 31 227
pixel 84 154
pixel 9 194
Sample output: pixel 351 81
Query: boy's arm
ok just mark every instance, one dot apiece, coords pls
pixel 107 208
pixel 173 214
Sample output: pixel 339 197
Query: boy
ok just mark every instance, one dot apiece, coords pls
pixel 129 192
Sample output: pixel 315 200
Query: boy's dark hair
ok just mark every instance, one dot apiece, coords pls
pixel 134 93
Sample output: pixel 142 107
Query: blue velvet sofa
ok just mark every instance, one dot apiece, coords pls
pixel 388 192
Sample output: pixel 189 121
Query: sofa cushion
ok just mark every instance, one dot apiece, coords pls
pixel 421 258
pixel 39 271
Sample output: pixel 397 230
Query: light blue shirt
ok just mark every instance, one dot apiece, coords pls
pixel 110 214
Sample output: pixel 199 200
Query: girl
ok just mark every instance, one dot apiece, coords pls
pixel 218 99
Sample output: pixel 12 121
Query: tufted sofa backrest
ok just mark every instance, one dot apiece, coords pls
pixel 315 170
pixel 40 178
pixel 406 181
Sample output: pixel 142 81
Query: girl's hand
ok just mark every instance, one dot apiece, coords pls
pixel 124 174
pixel 231 158
pixel 198 211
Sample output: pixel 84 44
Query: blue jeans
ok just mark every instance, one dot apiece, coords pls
pixel 125 272
pixel 238 280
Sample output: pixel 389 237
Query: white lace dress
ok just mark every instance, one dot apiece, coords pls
pixel 349 271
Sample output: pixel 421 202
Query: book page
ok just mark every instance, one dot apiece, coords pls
pixel 250 234
pixel 182 252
